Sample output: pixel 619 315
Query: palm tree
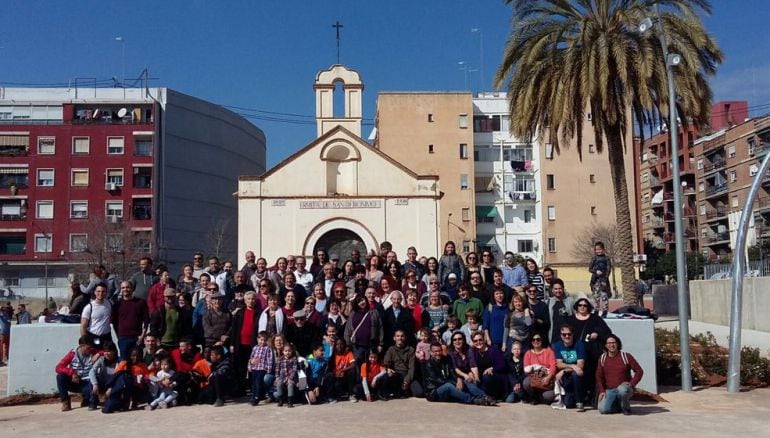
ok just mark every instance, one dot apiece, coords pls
pixel 565 57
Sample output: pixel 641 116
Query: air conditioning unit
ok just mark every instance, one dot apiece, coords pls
pixel 113 219
pixel 640 258
pixel 110 187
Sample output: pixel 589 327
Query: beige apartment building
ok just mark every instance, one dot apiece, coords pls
pixel 432 133
pixel 578 194
pixel 727 163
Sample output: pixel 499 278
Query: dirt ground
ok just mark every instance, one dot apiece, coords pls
pixel 703 413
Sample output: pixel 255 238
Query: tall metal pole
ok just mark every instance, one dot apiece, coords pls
pixel 739 266
pixel 502 169
pixel 681 266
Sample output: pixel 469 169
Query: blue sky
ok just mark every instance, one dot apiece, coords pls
pixel 264 55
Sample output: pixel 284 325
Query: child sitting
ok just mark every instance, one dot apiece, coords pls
pixel 422 351
pixel 371 373
pixel 344 371
pixel 472 325
pixel 317 379
pixel 166 392
pixel 451 325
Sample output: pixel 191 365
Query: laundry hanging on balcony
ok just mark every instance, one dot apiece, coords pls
pixel 657 198
pixel 518 166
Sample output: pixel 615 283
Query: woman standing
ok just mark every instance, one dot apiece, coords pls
pixel 363 330
pixel 449 263
pixel 394 271
pixel 590 329
pixel 535 278
pixel 187 283
pixel 487 266
pixel 373 273
pixel 434 316
pixel 413 305
pixel 518 325
pixel 244 335
pixel 493 320
pixel 288 308
pixel 472 263
pixel 272 319
pixel 348 271
pixel 412 282
pixel 431 270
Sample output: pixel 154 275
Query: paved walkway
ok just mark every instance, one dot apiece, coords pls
pixel 705 413
pixel 750 338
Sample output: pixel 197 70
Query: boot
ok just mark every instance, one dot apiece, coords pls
pixel 66 406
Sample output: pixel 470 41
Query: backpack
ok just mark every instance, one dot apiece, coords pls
pixel 623 355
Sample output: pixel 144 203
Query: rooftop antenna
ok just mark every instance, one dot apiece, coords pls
pixel 338 26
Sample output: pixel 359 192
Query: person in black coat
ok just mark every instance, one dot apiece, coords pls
pixel 395 318
pixel 302 334
pixel 241 346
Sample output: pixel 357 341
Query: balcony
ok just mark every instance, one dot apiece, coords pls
pixel 712 167
pixel 655 181
pixel 142 209
pixel 522 196
pixel 717 213
pixel 668 196
pixel 718 238
pixel 657 222
pixel 13 243
pixel 716 190
pixel 112 115
pixel 669 237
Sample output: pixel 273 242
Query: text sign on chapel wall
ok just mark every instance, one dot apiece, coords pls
pixel 340 204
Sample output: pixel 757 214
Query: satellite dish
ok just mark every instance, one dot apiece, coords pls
pixel 122 112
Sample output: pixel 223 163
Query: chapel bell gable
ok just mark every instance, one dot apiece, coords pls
pixel 352 87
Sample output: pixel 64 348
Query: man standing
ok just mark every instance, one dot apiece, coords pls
pixel 250 267
pixel 166 322
pixel 560 307
pixel 514 275
pixel 497 283
pixel 100 275
pixel 614 382
pixel 540 320
pixel 355 257
pixel 23 316
pixel 549 277
pixel 396 319
pixel 96 317
pixel 570 363
pixel 412 263
pixel 130 319
pixel 198 267
pixel 302 334
pixel 144 279
pixel 303 276
pixel 217 322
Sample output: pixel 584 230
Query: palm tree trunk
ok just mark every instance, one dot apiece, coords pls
pixel 625 241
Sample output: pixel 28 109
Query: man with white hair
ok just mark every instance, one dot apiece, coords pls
pixel 395 318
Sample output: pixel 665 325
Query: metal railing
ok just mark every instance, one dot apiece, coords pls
pixel 716 271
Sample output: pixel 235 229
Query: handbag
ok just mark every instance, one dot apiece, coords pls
pixel 537 379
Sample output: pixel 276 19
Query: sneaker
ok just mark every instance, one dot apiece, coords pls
pixel 83 403
pixel 162 405
pixel 280 403
pixel 331 400
pixel 626 411
pixel 253 402
pixel 490 401
pixel 558 405
pixel 92 406
pixel 290 405
pixel 479 401
pixel 579 407
pixel 66 406
pixel 149 408
pixel 353 399
pixel 219 403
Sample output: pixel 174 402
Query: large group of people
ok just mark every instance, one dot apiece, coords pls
pixel 449 329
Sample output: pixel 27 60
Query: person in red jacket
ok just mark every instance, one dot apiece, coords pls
pixel 614 381
pixel 72 373
pixel 155 295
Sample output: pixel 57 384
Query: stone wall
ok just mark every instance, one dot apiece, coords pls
pixel 638 336
pixel 710 302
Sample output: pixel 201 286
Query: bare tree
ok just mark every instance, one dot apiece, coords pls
pixel 219 238
pixel 583 250
pixel 109 242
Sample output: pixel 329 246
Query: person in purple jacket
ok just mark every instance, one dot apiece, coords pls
pixel 488 363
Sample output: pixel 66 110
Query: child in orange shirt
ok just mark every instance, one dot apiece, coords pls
pixel 371 373
pixel 344 371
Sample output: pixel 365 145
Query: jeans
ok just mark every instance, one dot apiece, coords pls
pixel 65 385
pixel 573 384
pixel 449 392
pixel 494 385
pixel 473 389
pixel 537 395
pixel 617 400
pixel 270 384
pixel 290 388
pixel 360 353
pixel 125 344
pixel 258 385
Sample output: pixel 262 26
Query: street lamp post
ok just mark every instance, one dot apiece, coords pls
pixel 672 60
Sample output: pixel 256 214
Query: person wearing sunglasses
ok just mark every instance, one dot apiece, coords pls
pixel 591 331
pixel 538 358
pixel 441 383
pixel 570 363
pixel 487 362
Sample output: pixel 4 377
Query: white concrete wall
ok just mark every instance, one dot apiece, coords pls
pixel 35 351
pixel 710 302
pixel 638 337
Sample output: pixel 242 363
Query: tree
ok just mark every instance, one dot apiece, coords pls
pixel 219 238
pixel 583 250
pixel 565 57
pixel 112 244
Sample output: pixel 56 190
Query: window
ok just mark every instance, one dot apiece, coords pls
pixel 430 148
pixel 550 185
pixel 549 151
pixel 731 152
pixel 464 182
pixel 525 245
pixel 704 232
pixel 41 282
pixel 45 177
pixel 79 209
pixel 592 178
pixel 115 176
pixel 115 209
pixel 113 242
pixel 115 145
pixel 143 146
pixel 589 117
pixel 142 177
pixel 81 145
pixel 593 210
pixel 645 177
pixel 700 164
pixel 551 212
pixel 733 176
pixel 463 121
pixel 466 214
pixel 734 202
pixel 12 279
pixel 702 209
pixel 142 241
pixel 44 210
pixel 79 177
pixel 430 118
pixel 13 243
pixel 46 145
pixel 702 187
pixel 463 151
pixel 43 243
pixel 551 244
pixel 591 149
pixel 78 242
pixel 14 145
pixel 142 208
pixel 527 216
pixel 466 246
pixel 644 157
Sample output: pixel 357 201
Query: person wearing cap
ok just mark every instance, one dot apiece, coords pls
pixel 302 334
pixel 130 320
pixel 216 321
pixel 166 323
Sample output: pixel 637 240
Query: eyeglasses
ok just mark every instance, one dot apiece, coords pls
pixel 211 289
pixel 532 290
pixel 537 339
pixel 264 285
pixel 478 341
pixel 457 340
pixel 567 335
pixel 582 305
pixel 339 290
pixel 434 282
